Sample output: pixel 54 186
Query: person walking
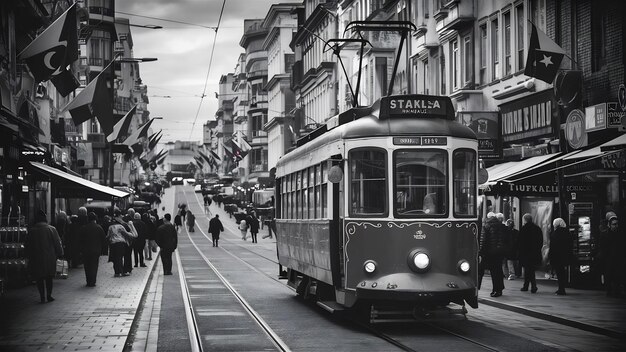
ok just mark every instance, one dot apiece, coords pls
pixel 253 223
pixel 560 253
pixel 150 236
pixel 91 239
pixel 215 228
pixel 493 247
pixel 178 222
pixel 612 244
pixel 529 243
pixel 167 239
pixel 191 220
pixel 117 235
pixel 42 248
pixel 139 243
pixel 243 227
pixel 512 255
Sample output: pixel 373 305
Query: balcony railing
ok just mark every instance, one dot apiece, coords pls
pixel 98 10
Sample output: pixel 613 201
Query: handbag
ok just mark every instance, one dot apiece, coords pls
pixel 61 269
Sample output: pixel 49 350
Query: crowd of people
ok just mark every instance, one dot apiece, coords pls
pixel 502 248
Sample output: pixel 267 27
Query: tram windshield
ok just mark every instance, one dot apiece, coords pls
pixel 420 182
pixel 464 165
pixel 368 186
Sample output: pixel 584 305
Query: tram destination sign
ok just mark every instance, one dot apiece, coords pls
pixel 420 140
pixel 416 106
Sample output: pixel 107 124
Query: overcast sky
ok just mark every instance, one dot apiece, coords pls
pixel 183 53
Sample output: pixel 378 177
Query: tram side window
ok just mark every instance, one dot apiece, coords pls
pixel 368 186
pixel 323 194
pixel 464 173
pixel 420 178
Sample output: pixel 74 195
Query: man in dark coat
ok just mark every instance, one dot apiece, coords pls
pixel 612 244
pixel 529 243
pixel 493 247
pixel 167 239
pixel 253 222
pixel 140 242
pixel 560 253
pixel 511 257
pixel 43 247
pixel 215 227
pixel 91 238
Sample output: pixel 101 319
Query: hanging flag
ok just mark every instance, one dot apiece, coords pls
pixel 238 151
pixel 228 152
pixel 94 101
pixel 138 134
pixel 65 82
pixel 544 56
pixel 53 50
pixel 121 127
pixel 214 155
pixel 155 141
pixel 161 159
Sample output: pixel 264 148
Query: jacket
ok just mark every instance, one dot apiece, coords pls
pixel 166 237
pixel 494 238
pixel 529 243
pixel 253 222
pixel 561 247
pixel 91 238
pixel 142 234
pixel 118 233
pixel 42 247
pixel 215 226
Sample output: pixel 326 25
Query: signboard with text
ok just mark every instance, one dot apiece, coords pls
pixel 595 117
pixel 529 118
pixel 485 125
pixel 416 106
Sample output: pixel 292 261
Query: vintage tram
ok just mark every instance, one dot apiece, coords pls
pixel 378 209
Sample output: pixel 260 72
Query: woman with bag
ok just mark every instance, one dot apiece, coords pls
pixel 243 227
pixel 43 247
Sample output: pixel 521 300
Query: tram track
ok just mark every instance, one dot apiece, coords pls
pixel 372 329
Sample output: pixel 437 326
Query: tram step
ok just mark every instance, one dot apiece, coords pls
pixel 331 306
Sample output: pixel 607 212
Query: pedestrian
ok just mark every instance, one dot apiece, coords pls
pixel 512 255
pixel 560 253
pixel 61 225
pixel 612 244
pixel 91 239
pixel 493 247
pixel 215 228
pixel 139 243
pixel 167 239
pixel 270 228
pixel 128 252
pixel 178 222
pixel 43 247
pixel 182 210
pixel 72 248
pixel 253 223
pixel 243 227
pixel 150 236
pixel 117 236
pixel 191 220
pixel 529 243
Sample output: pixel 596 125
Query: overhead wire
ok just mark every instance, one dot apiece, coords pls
pixel 167 20
pixel 206 81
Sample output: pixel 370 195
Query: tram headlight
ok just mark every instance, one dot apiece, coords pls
pixel 369 266
pixel 464 266
pixel 419 260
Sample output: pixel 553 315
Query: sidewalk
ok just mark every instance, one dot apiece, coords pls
pixel 589 310
pixel 80 318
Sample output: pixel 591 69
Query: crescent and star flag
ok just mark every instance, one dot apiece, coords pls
pixel 94 101
pixel 229 152
pixel 49 54
pixel 121 127
pixel 544 56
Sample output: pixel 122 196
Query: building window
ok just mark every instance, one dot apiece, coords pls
pixel 381 74
pixel 507 43
pixel 519 13
pixel 483 54
pixel 495 50
pixel 467 59
pixel 598 35
pixel 442 63
pixel 425 78
pixel 456 64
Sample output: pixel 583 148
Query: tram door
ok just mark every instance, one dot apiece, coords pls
pixel 336 181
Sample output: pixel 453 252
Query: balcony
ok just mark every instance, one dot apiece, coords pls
pixel 256 75
pixel 459 16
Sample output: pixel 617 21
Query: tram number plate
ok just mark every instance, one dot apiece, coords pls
pixel 420 141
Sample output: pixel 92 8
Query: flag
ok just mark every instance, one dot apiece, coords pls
pixel 121 127
pixel 93 101
pixel 50 53
pixel 544 56
pixel 155 141
pixel 161 159
pixel 240 149
pixel 138 134
pixel 214 155
pixel 228 152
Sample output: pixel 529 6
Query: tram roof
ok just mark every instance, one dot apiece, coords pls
pixel 369 125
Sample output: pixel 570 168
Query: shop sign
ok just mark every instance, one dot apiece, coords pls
pixel 579 188
pixel 574 129
pixel 529 118
pixel 615 116
pixel 614 160
pixel 533 189
pixel 57 154
pixel 33 155
pixel 595 117
pixel 485 126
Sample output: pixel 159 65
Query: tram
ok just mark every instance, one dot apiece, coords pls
pixel 378 209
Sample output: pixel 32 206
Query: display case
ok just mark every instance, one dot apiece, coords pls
pixel 584 271
pixel 13 263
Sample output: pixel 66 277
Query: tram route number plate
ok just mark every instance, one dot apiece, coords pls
pixel 420 141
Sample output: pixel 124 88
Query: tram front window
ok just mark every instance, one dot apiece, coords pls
pixel 420 183
pixel 464 166
pixel 368 186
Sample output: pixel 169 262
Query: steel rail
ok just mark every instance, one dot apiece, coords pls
pixel 192 324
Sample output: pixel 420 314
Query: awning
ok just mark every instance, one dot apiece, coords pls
pixel 507 170
pixel 70 186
